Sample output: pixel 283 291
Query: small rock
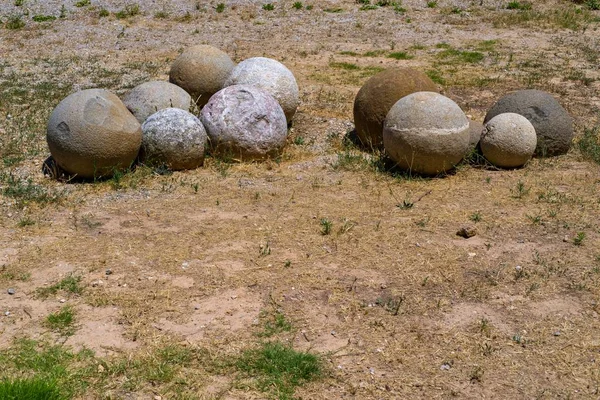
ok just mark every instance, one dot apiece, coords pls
pixel 467 231
pixel 108 271
pixel 7 313
pixel 62 300
pixel 445 367
pixel 11 291
pixel 557 333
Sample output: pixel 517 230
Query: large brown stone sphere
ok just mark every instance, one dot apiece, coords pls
pixel 201 71
pixel 92 134
pixel 377 96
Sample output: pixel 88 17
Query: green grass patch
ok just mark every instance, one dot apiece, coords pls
pixel 29 389
pixel 82 3
pixel 69 285
pixel 400 55
pixel 344 65
pixel 130 10
pixel 62 321
pixel 436 76
pixel 15 22
pixel 43 18
pixel 349 53
pixel 25 191
pixel 280 369
pixel 589 144
pixel 517 5
pixel 333 10
pixel 453 56
pixel 275 323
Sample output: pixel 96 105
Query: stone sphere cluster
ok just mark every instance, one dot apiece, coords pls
pixel 400 112
pixel 245 112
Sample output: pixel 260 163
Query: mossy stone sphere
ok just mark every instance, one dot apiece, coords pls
pixel 377 96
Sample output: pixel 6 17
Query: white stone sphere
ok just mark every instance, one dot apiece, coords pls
pixel 426 133
pixel 245 123
pixel 272 76
pixel 508 140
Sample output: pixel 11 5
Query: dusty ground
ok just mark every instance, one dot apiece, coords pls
pixel 394 301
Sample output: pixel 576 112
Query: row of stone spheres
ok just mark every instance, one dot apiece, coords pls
pixel 245 110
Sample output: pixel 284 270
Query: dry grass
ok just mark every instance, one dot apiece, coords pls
pixel 189 271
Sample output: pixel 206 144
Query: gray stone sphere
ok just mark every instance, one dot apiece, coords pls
pixel 426 133
pixel 201 71
pixel 272 76
pixel 508 140
pixel 245 123
pixel 150 97
pixel 377 96
pixel 475 129
pixel 174 138
pixel 91 134
pixel 553 125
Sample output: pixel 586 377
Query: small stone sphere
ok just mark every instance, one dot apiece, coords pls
pixel 508 140
pixel 553 125
pixel 377 96
pixel 244 123
pixel 272 76
pixel 201 71
pixel 92 134
pixel 426 133
pixel 150 97
pixel 174 138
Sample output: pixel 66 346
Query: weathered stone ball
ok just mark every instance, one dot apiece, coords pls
pixel 272 76
pixel 201 71
pixel 426 133
pixel 150 97
pixel 475 129
pixel 553 125
pixel 244 123
pixel 508 140
pixel 173 138
pixel 92 134
pixel 377 96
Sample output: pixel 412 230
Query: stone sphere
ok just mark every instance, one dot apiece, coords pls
pixel 245 123
pixel 272 76
pixel 201 71
pixel 508 140
pixel 377 96
pixel 475 129
pixel 150 97
pixel 91 134
pixel 426 133
pixel 174 138
pixel 553 125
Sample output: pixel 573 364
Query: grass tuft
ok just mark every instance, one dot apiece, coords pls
pixel 29 389
pixel 589 144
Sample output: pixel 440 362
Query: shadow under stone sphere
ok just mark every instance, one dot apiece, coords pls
pixel 91 134
pixel 377 96
pixel 201 71
pixel 553 125
pixel 426 133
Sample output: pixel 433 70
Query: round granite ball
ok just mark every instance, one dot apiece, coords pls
pixel 508 140
pixel 377 96
pixel 201 71
pixel 91 134
pixel 272 76
pixel 245 123
pixel 174 138
pixel 150 97
pixel 553 125
pixel 426 133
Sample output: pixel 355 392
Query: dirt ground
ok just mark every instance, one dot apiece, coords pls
pixel 394 301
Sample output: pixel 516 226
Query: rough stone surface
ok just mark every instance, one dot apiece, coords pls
pixel 271 76
pixel 150 97
pixel 553 125
pixel 377 96
pixel 426 133
pixel 475 129
pixel 245 123
pixel 91 134
pixel 508 140
pixel 174 138
pixel 201 71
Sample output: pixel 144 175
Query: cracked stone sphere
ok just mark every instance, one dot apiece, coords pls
pixel 272 76
pixel 150 97
pixel 426 133
pixel 553 125
pixel 377 96
pixel 244 123
pixel 173 138
pixel 508 140
pixel 201 71
pixel 92 134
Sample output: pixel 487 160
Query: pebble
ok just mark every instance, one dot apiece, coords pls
pixel 62 300
pixel 7 313
pixel 557 333
pixel 108 271
pixel 445 367
pixel 11 291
